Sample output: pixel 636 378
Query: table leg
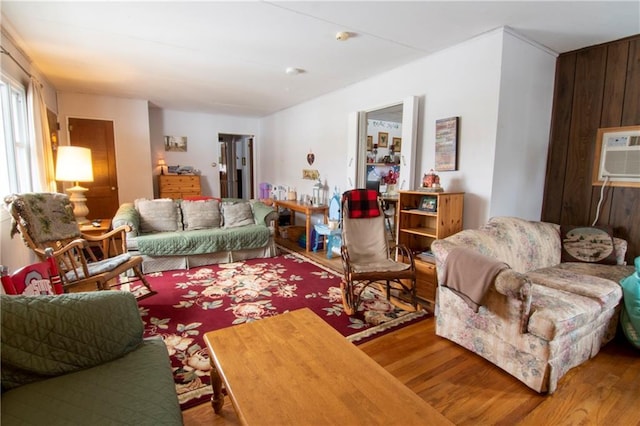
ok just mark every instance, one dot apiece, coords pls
pixel 217 399
pixel 308 228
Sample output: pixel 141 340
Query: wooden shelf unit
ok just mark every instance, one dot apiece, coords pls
pixel 179 186
pixel 417 229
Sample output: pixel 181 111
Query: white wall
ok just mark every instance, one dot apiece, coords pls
pixel 201 131
pixel 131 133
pixel 461 81
pixel 496 83
pixel 524 120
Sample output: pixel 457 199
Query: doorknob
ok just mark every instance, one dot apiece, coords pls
pixel 113 188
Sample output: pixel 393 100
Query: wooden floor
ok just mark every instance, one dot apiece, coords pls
pixel 468 390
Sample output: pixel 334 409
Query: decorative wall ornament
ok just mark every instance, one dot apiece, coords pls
pixel 383 139
pixel 311 157
pixel 447 144
pixel 385 124
pixel 397 144
pixel 310 174
pixel 175 143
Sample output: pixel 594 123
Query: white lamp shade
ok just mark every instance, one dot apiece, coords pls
pixel 74 164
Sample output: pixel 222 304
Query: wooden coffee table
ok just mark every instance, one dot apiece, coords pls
pixel 296 369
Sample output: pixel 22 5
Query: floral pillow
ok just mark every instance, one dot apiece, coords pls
pixel 591 244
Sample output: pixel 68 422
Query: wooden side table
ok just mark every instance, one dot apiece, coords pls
pixel 96 231
pixel 308 211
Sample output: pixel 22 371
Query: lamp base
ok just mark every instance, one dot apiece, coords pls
pixel 80 209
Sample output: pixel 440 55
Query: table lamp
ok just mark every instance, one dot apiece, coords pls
pixel 163 166
pixel 74 165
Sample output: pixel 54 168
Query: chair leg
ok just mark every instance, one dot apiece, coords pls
pixel 142 278
pixel 348 297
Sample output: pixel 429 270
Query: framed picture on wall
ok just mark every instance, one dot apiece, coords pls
pixel 447 144
pixel 383 139
pixel 396 144
pixel 175 143
pixel 369 143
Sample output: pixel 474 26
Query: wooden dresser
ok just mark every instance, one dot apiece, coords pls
pixel 178 186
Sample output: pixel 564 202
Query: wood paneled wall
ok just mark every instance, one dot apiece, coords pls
pixel 595 87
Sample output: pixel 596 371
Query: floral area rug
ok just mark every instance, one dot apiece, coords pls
pixel 193 302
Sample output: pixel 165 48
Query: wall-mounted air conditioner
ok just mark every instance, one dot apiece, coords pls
pixel 617 156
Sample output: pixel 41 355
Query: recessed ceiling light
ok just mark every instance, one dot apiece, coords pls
pixel 293 71
pixel 343 36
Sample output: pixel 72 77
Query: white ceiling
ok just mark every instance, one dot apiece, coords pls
pixel 230 57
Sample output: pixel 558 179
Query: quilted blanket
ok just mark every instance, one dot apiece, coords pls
pixel 47 336
pixel 203 241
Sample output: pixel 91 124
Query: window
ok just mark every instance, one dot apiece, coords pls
pixel 15 147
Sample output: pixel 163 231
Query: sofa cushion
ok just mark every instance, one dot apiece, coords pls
pixel 136 389
pixel 592 244
pixel 158 215
pixel 202 241
pixel 524 245
pixel 555 313
pixel 237 214
pixel 573 279
pixel 46 336
pixel 200 214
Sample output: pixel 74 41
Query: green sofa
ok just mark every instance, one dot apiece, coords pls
pixel 181 234
pixel 80 358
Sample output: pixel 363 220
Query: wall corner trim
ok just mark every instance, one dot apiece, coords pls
pixel 516 34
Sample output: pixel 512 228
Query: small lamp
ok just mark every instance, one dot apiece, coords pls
pixel 74 165
pixel 162 164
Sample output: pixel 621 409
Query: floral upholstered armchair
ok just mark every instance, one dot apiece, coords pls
pixel 539 316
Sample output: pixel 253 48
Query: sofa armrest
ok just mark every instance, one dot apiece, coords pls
pixel 47 336
pixel 263 214
pixel 127 214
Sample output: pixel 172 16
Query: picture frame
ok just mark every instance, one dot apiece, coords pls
pixel 383 139
pixel 175 143
pixel 396 144
pixel 310 174
pixel 369 143
pixel 428 204
pixel 446 156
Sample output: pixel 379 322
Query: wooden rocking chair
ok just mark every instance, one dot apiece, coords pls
pixel 46 220
pixel 367 256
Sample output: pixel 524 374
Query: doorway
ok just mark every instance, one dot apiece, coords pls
pixel 236 166
pixel 97 135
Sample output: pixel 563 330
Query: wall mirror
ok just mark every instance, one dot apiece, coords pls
pixel 382 147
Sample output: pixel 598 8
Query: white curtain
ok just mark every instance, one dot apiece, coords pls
pixel 42 168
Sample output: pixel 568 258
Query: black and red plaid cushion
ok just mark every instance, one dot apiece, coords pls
pixel 362 203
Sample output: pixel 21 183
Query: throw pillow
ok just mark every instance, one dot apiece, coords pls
pixel 158 215
pixel 237 214
pixel 591 244
pixel 200 214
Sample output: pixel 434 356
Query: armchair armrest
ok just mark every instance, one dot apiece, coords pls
pixel 46 336
pixel 510 294
pixel 114 241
